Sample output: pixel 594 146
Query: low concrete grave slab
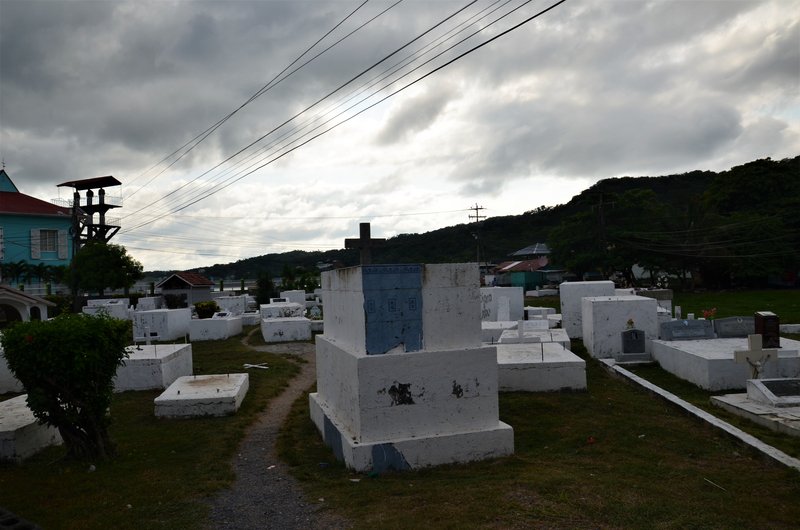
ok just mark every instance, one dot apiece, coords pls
pixel 491 331
pixel 153 366
pixel 543 367
pixel 21 434
pixel 711 364
pixel 285 329
pixel 775 392
pixel 203 395
pixel 780 419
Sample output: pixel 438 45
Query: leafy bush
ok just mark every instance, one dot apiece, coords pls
pixel 206 309
pixel 175 301
pixel 67 366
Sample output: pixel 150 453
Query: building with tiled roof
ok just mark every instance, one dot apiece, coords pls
pixel 32 230
pixel 190 287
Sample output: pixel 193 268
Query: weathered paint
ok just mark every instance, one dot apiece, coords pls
pixel 392 307
pixel 386 457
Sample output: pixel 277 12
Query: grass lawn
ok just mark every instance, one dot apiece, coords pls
pixel 783 302
pixel 165 468
pixel 612 457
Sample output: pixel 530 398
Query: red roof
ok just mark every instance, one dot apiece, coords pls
pixel 190 278
pixel 19 203
pixel 522 266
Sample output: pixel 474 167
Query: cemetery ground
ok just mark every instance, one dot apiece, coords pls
pixel 612 457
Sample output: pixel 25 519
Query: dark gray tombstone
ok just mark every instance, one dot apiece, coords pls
pixel 734 327
pixel 633 341
pixel 767 325
pixel 686 330
pixel 658 294
pixel 633 347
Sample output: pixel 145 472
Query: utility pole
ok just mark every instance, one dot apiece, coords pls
pixel 477 218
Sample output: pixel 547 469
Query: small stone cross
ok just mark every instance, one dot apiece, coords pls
pixel 756 356
pixel 364 243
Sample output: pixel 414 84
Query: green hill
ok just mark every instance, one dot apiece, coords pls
pixel 637 213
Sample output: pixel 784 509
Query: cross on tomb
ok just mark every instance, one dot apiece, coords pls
pixel 364 243
pixel 755 356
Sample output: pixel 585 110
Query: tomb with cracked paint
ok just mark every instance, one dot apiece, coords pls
pixel 403 380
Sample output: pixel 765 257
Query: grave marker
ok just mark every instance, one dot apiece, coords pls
pixel 767 324
pixel 734 327
pixel 364 243
pixel 756 356
pixel 686 330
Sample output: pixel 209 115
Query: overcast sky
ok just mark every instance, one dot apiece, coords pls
pixel 589 90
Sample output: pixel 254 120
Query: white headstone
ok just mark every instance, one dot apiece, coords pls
pixel 571 294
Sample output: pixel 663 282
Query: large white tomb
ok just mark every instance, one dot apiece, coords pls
pixel 235 305
pixel 149 303
pixel 161 324
pixel 221 326
pixel 287 329
pixel 153 366
pixel 571 294
pixel 113 307
pixel 21 434
pixel 203 395
pixel 402 378
pixel 297 296
pixel 501 303
pixel 543 367
pixel 604 318
pixel 281 310
pixel 711 364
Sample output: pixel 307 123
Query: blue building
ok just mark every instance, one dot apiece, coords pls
pixel 32 230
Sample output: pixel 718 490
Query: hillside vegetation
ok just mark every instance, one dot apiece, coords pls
pixel 732 227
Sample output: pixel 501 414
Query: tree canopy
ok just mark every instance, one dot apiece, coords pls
pixel 67 366
pixel 98 266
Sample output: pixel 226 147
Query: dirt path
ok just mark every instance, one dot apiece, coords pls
pixel 264 494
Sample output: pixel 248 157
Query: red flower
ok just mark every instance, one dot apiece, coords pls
pixel 29 339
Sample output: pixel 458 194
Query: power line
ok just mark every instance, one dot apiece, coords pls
pixel 288 150
pixel 206 133
pixel 305 110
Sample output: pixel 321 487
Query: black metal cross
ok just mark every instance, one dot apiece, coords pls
pixel 364 243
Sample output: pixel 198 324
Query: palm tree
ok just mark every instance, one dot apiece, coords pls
pixel 17 270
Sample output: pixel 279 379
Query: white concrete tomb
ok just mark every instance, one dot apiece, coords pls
pixel 403 380
pixel 203 395
pixel 604 318
pixel 219 327
pixel 153 366
pixel 501 303
pixel 544 367
pixel 21 434
pixel 571 294
pixel 161 324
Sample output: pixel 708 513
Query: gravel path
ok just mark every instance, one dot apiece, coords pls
pixel 264 494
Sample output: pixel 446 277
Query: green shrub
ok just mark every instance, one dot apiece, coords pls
pixel 67 366
pixel 206 309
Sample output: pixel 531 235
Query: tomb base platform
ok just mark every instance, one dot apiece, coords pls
pixel 535 367
pixel 251 319
pixel 286 329
pixel 153 366
pixel 709 363
pixel 780 419
pixel 410 453
pixel 556 336
pixel 21 434
pixel 202 395
pixel 491 330
pixel 214 328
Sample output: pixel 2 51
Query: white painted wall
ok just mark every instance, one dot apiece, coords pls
pixel 214 328
pixel 571 294
pixel 168 324
pixel 604 318
pixel 495 301
pixel 358 391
